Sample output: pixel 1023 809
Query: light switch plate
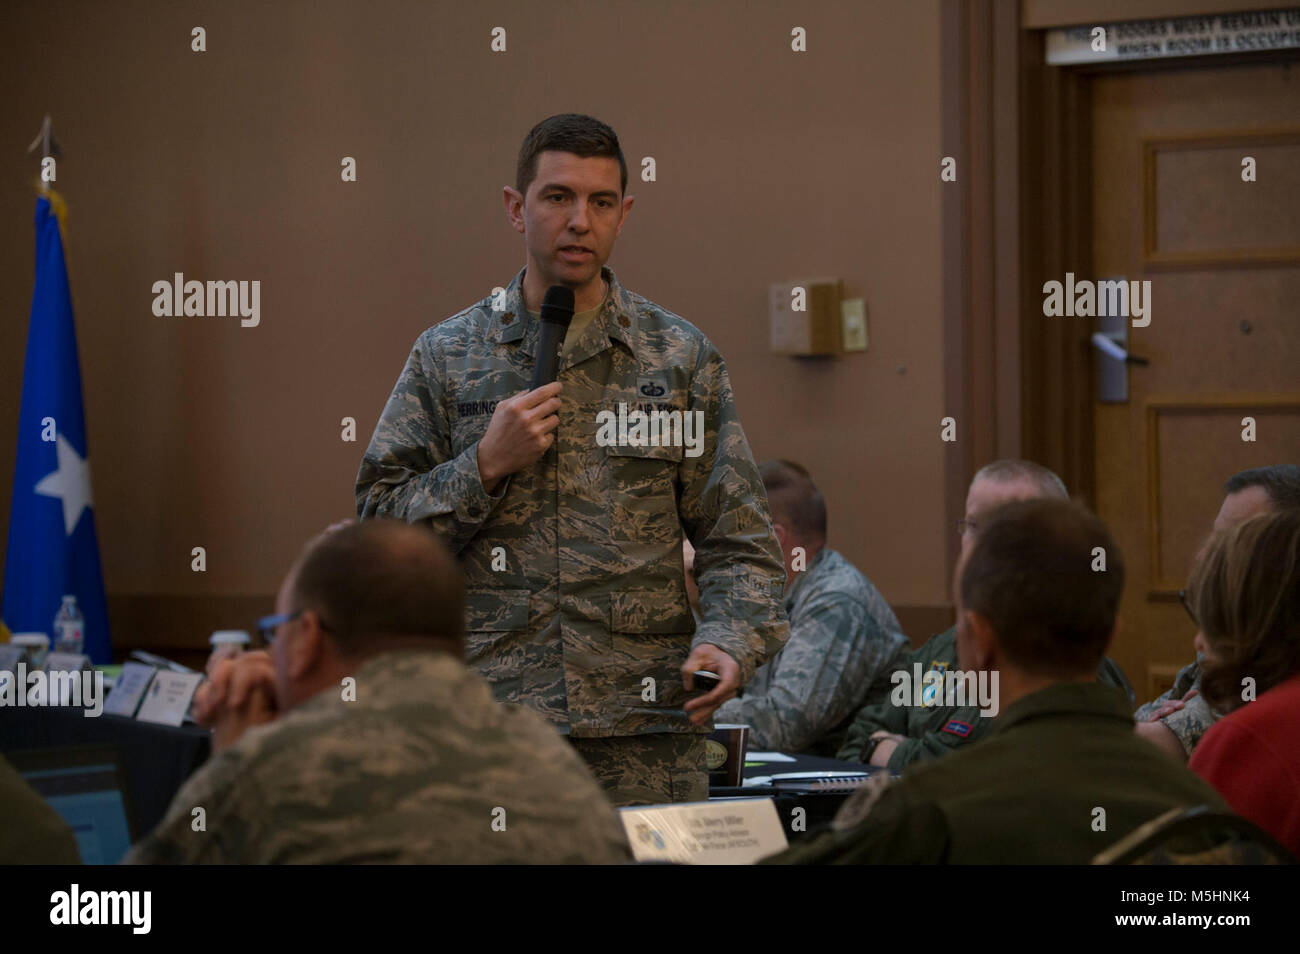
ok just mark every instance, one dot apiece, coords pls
pixel 854 313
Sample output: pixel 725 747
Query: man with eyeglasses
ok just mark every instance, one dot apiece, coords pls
pixel 1176 720
pixel 897 736
pixel 360 736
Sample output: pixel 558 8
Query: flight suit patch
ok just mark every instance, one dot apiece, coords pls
pixel 958 728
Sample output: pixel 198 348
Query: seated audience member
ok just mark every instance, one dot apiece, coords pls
pixel 898 736
pixel 844 639
pixel 1177 720
pixel 1246 594
pixel 31 832
pixel 1062 775
pixel 379 745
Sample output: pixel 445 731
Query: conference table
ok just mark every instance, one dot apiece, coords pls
pixel 157 759
pixel 819 806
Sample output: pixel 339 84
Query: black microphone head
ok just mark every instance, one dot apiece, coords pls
pixel 557 306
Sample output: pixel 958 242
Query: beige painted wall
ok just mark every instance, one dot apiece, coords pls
pixel 225 165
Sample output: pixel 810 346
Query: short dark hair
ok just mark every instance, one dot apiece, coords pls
pixel 568 132
pixel 794 498
pixel 1246 596
pixel 377 580
pixel 1047 481
pixel 1281 482
pixel 1030 574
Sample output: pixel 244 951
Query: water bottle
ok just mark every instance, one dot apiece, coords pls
pixel 69 627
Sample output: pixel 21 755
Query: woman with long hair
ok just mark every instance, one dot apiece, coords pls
pixel 1245 594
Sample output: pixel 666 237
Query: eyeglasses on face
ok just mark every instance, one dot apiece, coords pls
pixel 267 625
pixel 965 526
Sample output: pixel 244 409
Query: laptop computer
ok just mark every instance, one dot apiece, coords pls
pixel 87 787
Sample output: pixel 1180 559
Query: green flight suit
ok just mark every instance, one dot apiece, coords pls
pixel 932 731
pixel 1029 794
pixel 31 833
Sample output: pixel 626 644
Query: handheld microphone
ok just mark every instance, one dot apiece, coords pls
pixel 557 312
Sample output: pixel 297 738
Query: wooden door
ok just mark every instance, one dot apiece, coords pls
pixel 1169 205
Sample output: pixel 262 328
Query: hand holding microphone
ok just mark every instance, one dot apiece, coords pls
pixel 522 427
pixel 557 312
pixel 520 432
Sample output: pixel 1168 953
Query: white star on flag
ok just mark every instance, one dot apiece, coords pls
pixel 70 483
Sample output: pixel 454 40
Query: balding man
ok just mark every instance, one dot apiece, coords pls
pixel 844 639
pixel 362 737
pixel 1176 720
pixel 897 736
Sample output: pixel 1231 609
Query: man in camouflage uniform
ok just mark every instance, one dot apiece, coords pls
pixel 845 641
pixel 362 737
pixel 1176 720
pixel 571 541
pixel 896 736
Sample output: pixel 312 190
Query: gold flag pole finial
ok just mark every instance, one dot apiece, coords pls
pixel 48 145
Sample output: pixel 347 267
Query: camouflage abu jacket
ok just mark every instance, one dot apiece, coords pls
pixel 423 767
pixel 845 644
pixel 576 598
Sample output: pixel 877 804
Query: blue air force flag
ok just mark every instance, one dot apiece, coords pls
pixel 53 549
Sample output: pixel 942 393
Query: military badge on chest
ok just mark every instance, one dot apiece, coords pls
pixel 930 692
pixel 655 417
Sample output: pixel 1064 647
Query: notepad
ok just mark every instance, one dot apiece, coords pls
pixel 766 757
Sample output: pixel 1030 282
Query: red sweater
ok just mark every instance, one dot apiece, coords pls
pixel 1252 757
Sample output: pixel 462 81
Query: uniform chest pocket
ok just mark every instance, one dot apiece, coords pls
pixel 641 489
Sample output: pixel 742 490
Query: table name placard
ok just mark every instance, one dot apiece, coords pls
pixel 729 832
pixel 168 698
pixel 129 689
